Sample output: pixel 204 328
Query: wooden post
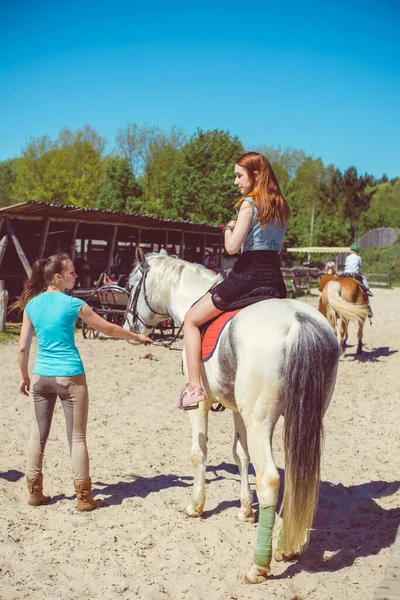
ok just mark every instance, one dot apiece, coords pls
pixel 72 251
pixel 182 246
pixel 3 247
pixel 1 223
pixel 3 305
pixel 18 247
pixel 220 252
pixel 43 238
pixel 203 248
pixel 111 247
pixel 166 240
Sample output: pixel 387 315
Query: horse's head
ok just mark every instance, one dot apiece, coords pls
pixel 142 315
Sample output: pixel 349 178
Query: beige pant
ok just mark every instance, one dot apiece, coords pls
pixel 73 393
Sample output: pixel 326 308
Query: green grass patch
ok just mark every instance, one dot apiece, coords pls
pixel 11 333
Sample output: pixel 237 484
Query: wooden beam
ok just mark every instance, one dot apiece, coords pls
pixel 220 247
pixel 72 251
pixel 182 245
pixel 1 223
pixel 43 238
pixel 203 244
pixel 154 227
pixel 166 239
pixel 111 248
pixel 18 247
pixel 3 305
pixel 3 247
pixel 139 237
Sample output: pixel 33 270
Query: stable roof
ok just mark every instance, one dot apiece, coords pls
pixel 37 211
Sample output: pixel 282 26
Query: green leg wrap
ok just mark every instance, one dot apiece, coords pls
pixel 263 550
pixel 282 544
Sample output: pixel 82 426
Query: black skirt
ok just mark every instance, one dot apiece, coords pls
pixel 253 269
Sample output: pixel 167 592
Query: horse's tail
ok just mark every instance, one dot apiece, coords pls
pixel 309 374
pixel 347 310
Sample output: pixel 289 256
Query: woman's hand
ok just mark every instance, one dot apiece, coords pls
pixel 142 339
pixel 25 386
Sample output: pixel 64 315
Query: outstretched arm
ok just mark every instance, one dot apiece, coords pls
pixel 24 346
pixel 94 320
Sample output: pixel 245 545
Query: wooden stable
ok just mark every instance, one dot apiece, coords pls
pixel 92 238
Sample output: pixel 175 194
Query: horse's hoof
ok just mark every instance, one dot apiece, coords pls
pixel 256 575
pixel 192 512
pixel 246 517
pixel 280 555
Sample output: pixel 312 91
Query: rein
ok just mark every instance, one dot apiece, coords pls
pixel 133 302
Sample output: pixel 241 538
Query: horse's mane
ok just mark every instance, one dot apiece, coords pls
pixel 167 271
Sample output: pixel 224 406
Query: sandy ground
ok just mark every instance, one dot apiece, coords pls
pixel 141 545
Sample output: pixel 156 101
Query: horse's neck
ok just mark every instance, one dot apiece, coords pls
pixel 190 289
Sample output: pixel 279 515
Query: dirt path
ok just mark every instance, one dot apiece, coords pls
pixel 141 545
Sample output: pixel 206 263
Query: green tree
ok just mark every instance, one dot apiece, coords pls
pixel 201 180
pixel 384 209
pixel 120 191
pixel 7 176
pixel 355 195
pixel 66 171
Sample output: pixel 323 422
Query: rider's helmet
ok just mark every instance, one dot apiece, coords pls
pixel 355 247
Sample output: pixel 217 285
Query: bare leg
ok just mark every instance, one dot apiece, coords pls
pixel 242 459
pixel 203 311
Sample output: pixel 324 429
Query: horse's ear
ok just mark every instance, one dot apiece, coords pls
pixel 163 252
pixel 140 257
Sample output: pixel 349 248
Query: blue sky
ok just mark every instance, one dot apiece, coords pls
pixel 323 77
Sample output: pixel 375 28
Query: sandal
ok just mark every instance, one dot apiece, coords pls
pixel 190 400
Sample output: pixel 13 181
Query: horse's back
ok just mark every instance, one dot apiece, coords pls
pixel 351 290
pixel 265 326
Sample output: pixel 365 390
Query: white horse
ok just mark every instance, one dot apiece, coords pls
pixel 274 357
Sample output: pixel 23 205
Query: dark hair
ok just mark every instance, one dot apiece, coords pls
pixel 42 275
pixel 265 191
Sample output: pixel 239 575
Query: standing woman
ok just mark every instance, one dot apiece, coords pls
pixel 58 370
pixel 262 220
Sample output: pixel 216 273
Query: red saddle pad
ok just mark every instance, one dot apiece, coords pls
pixel 212 333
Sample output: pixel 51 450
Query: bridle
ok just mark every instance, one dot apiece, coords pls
pixel 133 302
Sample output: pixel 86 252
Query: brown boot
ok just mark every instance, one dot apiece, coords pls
pixel 35 487
pixel 84 494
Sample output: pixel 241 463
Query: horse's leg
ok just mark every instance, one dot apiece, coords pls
pixel 242 459
pixel 267 485
pixel 199 423
pixel 342 334
pixel 360 336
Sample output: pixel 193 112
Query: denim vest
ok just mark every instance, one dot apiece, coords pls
pixel 269 238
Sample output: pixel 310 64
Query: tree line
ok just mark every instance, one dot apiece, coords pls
pixel 171 175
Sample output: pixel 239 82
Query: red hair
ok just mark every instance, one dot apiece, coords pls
pixel 265 191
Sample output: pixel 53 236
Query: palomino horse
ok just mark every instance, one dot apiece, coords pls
pixel 346 299
pixel 273 357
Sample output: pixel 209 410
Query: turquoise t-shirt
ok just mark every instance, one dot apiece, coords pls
pixel 53 315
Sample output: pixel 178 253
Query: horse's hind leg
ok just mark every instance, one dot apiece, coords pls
pixel 199 423
pixel 359 337
pixel 342 337
pixel 242 459
pixel 267 483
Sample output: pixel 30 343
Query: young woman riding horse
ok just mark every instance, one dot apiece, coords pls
pixel 259 230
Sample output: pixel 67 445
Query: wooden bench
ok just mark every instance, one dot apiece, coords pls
pixel 297 279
